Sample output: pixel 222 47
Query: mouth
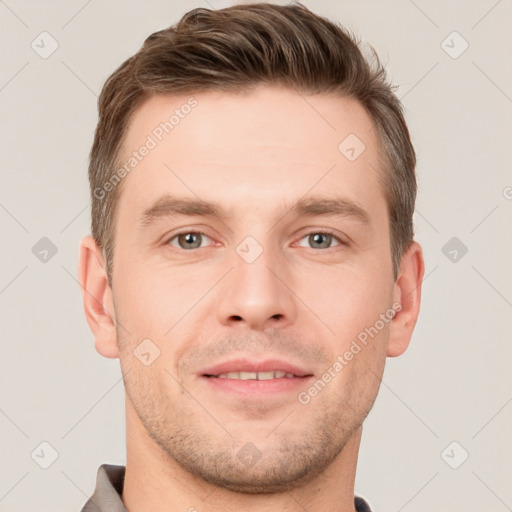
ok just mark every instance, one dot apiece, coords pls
pixel 272 374
pixel 250 378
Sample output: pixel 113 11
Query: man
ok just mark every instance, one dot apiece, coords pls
pixel 252 261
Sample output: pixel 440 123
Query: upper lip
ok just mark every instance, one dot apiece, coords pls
pixel 247 365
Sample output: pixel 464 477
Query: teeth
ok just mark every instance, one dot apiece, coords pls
pixel 248 375
pixel 266 375
pixel 255 376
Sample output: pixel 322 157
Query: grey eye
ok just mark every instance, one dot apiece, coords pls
pixel 320 240
pixel 188 240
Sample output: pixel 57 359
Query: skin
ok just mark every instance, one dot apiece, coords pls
pixel 304 302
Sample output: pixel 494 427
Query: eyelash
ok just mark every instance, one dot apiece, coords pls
pixel 313 232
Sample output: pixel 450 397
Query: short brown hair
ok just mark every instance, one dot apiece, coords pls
pixel 234 50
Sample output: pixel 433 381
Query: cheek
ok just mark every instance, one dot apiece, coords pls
pixel 346 300
pixel 155 296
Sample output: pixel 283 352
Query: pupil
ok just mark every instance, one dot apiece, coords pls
pixel 190 239
pixel 317 238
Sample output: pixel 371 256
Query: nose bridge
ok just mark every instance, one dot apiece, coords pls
pixel 255 292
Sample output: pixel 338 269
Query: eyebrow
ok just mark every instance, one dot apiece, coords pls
pixel 169 206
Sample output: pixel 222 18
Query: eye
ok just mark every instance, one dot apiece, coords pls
pixel 321 239
pixel 188 240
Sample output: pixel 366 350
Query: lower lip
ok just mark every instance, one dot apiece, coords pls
pixel 257 387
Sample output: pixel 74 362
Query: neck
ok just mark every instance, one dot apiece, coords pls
pixel 155 483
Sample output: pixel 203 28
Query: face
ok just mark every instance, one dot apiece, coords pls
pixel 252 252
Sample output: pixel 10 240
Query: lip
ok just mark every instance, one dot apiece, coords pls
pixel 247 365
pixel 257 389
pixel 252 388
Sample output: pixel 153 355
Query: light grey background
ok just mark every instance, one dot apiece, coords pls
pixel 453 384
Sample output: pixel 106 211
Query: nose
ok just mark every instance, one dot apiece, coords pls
pixel 257 293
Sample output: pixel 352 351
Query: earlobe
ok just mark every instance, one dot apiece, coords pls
pixel 408 293
pixel 97 297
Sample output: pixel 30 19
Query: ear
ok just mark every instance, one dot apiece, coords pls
pixel 407 292
pixel 97 297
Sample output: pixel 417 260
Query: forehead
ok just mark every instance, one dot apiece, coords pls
pixel 271 145
pixel 271 116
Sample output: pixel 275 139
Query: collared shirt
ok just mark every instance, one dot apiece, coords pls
pixel 109 488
